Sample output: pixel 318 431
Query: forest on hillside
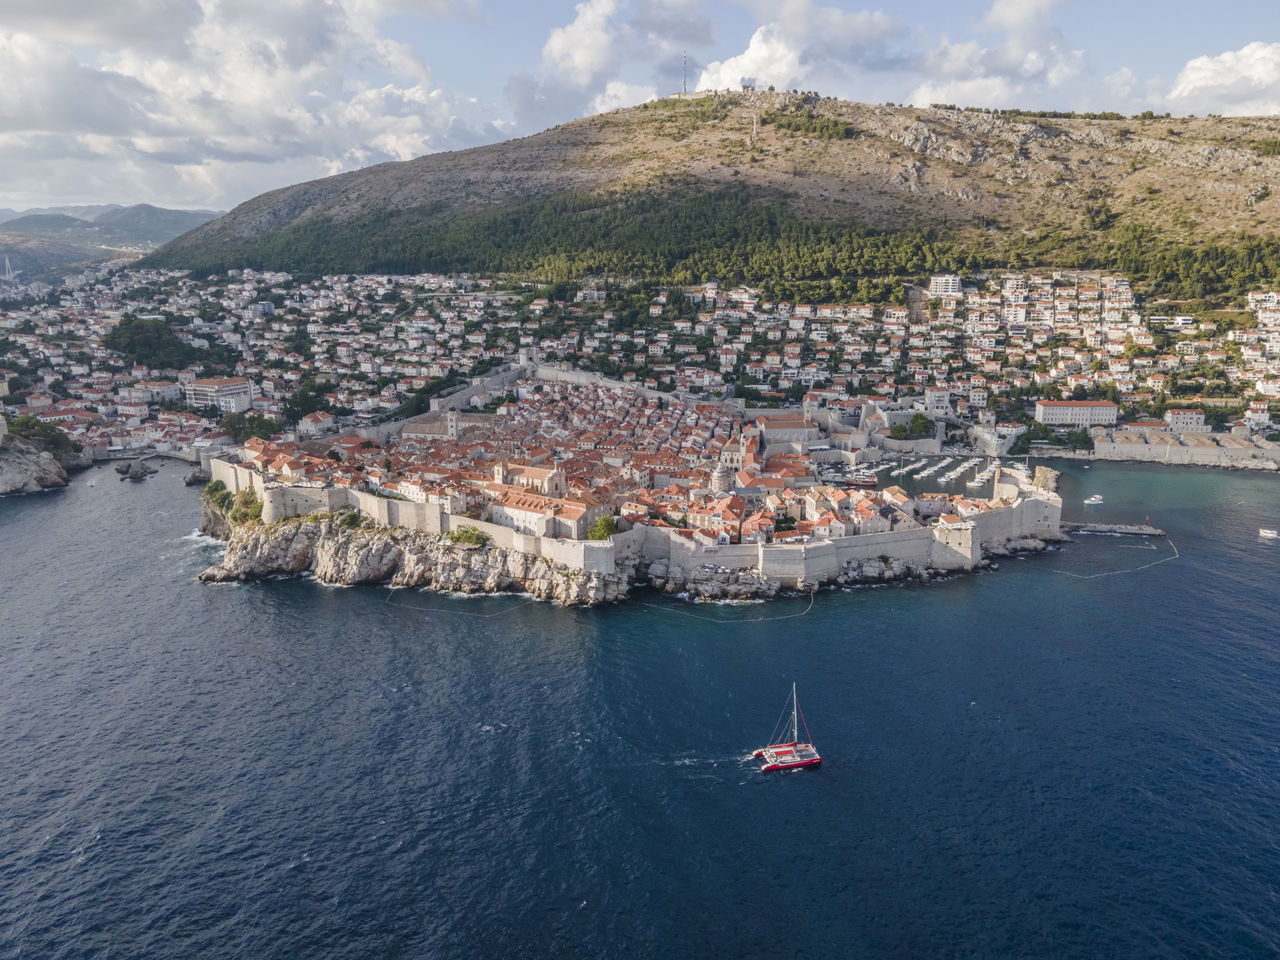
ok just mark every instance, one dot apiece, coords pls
pixel 732 235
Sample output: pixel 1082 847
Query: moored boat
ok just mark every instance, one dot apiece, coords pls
pixel 793 753
pixel 863 479
pixel 1094 501
pixel 1266 533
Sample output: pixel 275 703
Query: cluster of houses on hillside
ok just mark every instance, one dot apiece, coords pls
pixel 969 350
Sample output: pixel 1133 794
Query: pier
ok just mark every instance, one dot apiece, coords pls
pixel 1130 529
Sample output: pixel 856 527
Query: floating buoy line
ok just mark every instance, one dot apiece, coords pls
pixel 1113 573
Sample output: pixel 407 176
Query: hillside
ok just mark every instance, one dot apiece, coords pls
pixel 43 243
pixel 654 188
pixel 79 211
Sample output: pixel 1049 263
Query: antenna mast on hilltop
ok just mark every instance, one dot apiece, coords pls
pixel 684 73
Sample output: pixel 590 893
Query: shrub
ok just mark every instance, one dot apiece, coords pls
pixel 469 534
pixel 603 529
pixel 246 507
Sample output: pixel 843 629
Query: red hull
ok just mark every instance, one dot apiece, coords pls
pixel 788 756
pixel 792 766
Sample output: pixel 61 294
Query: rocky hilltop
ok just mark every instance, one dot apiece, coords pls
pixel 828 160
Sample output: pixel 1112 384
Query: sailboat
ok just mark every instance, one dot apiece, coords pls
pixel 793 753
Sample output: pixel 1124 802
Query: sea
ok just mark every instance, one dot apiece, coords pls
pixel 1075 755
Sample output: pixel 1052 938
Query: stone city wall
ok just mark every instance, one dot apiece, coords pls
pixel 1263 456
pixel 792 564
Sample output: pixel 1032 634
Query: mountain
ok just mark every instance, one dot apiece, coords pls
pixel 42 243
pixel 785 187
pixel 143 223
pixel 82 211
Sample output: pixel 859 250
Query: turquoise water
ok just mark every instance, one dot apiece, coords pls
pixel 1070 757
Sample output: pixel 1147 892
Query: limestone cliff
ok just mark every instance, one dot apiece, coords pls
pixel 24 468
pixel 335 553
pixel 337 550
pixel 213 522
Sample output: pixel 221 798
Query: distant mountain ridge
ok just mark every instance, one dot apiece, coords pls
pixel 653 187
pixel 42 242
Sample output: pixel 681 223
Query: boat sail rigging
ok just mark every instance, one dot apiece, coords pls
pixel 792 753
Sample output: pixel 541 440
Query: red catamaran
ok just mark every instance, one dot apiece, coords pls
pixel 786 756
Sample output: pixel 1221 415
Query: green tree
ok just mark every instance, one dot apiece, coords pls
pixel 308 398
pixel 241 426
pixel 603 529
pixel 921 426
pixel 46 436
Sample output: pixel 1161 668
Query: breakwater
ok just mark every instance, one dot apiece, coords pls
pixel 1132 529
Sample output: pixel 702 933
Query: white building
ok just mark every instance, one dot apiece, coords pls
pixel 228 394
pixel 944 285
pixel 1077 413
pixel 1186 421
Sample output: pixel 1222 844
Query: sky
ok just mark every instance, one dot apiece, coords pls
pixel 207 103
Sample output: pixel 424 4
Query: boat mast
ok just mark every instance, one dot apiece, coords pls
pixel 795 708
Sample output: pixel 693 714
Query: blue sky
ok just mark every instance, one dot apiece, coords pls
pixel 210 102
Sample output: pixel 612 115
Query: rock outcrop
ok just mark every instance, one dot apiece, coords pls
pixel 337 548
pixel 25 468
pixel 213 522
pixel 710 582
pixel 336 553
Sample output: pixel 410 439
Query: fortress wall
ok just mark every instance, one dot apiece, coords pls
pixel 914 546
pixel 279 502
pixel 954 548
pixel 544 371
pixel 792 564
pixel 226 472
pixel 591 556
pixel 493 383
pixel 1214 456
pixel 1028 517
pixel 504 537
pixel 735 556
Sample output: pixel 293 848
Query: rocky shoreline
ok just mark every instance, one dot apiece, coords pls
pixel 334 553
pixel 25 468
pixel 334 550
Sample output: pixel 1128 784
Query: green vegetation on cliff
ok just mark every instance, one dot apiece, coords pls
pixel 44 436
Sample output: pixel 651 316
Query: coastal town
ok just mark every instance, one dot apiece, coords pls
pixel 693 428
pixel 986 359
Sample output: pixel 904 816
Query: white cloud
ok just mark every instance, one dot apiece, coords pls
pixel 242 96
pixel 1244 82
pixel 583 49
pixel 770 58
pixel 1018 16
pixel 1030 67
pixel 1121 84
pixel 618 94
pixel 803 41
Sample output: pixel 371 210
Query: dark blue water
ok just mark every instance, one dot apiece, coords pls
pixel 1019 764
